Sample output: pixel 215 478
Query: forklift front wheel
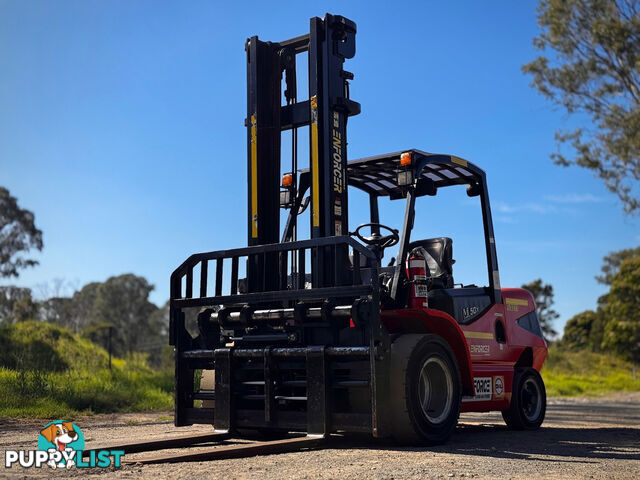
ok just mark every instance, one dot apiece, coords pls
pixel 425 389
pixel 528 401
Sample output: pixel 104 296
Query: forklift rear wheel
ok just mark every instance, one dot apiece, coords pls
pixel 425 389
pixel 528 401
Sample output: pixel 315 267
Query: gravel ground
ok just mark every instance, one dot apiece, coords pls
pixel 581 438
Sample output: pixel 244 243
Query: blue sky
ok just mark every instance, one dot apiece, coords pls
pixel 121 128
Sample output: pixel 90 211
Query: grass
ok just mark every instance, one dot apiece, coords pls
pixel 48 372
pixel 582 373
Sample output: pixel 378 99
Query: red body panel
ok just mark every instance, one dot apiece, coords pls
pixel 434 321
pixel 486 365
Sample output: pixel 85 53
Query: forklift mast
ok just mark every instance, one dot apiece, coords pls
pixel 329 43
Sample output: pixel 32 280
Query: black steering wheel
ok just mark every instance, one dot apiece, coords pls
pixel 381 241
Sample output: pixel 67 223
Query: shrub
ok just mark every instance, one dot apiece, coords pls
pixel 571 373
pixel 47 371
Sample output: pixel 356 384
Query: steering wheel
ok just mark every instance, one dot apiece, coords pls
pixel 381 241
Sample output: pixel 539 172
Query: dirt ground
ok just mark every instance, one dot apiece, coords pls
pixel 581 438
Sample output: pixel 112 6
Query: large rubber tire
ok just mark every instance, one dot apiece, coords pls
pixel 528 401
pixel 425 390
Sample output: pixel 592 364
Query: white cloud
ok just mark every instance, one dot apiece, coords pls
pixel 504 208
pixel 574 198
pixel 505 219
pixel 550 204
pixel 534 207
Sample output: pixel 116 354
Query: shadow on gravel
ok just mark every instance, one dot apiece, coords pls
pixel 578 443
pixel 553 444
pixel 615 413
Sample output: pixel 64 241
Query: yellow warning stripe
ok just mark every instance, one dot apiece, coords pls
pixel 517 301
pixel 315 170
pixel 254 177
pixel 485 335
pixel 459 161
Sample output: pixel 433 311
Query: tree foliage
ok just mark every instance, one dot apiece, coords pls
pixel 120 303
pixel 622 330
pixel 16 305
pixel 584 331
pixel 83 301
pixel 58 310
pixel 123 302
pixel 543 296
pixel 591 65
pixel 615 326
pixel 611 264
pixel 18 235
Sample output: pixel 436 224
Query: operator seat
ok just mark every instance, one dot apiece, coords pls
pixel 439 256
pixel 463 304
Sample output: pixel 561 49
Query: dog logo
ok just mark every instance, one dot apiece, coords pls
pixel 63 437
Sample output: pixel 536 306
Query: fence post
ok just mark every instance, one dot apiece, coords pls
pixel 109 346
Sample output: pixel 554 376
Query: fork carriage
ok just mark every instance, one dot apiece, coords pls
pixel 289 359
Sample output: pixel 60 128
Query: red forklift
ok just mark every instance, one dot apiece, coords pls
pixel 316 335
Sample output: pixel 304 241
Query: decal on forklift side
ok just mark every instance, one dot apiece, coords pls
pixel 338 174
pixel 470 312
pixel 337 207
pixel 483 390
pixel 337 161
pixel 498 387
pixel 513 304
pixel 254 177
pixel 315 168
pixel 474 334
pixel 337 210
pixel 420 288
pixel 479 349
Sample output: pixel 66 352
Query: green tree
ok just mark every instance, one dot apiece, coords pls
pixel 159 320
pixel 584 331
pixel 159 350
pixel 16 304
pixel 82 307
pixel 590 65
pixel 123 302
pixel 543 296
pixel 622 329
pixel 18 235
pixel 587 329
pixel 611 264
pixel 58 310
pixel 25 309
